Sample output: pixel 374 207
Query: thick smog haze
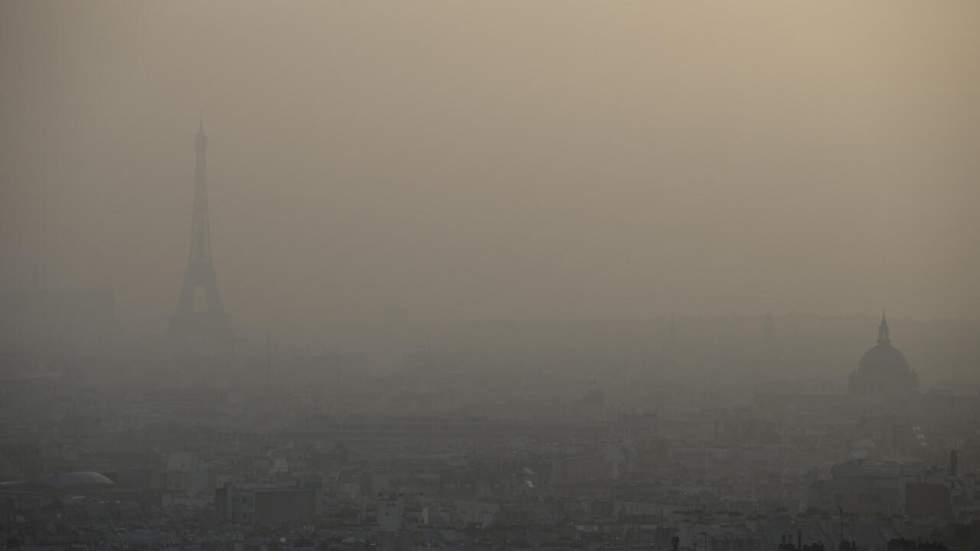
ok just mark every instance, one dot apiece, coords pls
pixel 353 275
pixel 498 160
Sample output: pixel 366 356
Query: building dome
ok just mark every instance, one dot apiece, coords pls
pixel 883 369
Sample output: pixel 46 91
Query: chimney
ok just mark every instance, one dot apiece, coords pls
pixel 954 463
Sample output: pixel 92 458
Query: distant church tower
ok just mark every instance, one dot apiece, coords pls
pixel 883 336
pixel 883 370
pixel 200 313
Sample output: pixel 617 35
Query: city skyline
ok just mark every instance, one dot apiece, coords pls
pixel 509 275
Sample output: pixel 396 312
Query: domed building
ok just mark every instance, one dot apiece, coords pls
pixel 883 370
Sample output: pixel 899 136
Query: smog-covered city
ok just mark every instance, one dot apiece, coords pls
pixel 508 275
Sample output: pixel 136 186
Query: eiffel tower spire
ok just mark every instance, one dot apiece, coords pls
pixel 200 312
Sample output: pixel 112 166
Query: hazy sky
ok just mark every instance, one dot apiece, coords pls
pixel 542 159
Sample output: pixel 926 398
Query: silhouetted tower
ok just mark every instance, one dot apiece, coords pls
pixel 883 337
pixel 200 312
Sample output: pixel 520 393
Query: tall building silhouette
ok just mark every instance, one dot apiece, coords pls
pixel 200 313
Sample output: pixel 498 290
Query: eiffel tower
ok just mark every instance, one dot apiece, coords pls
pixel 200 313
